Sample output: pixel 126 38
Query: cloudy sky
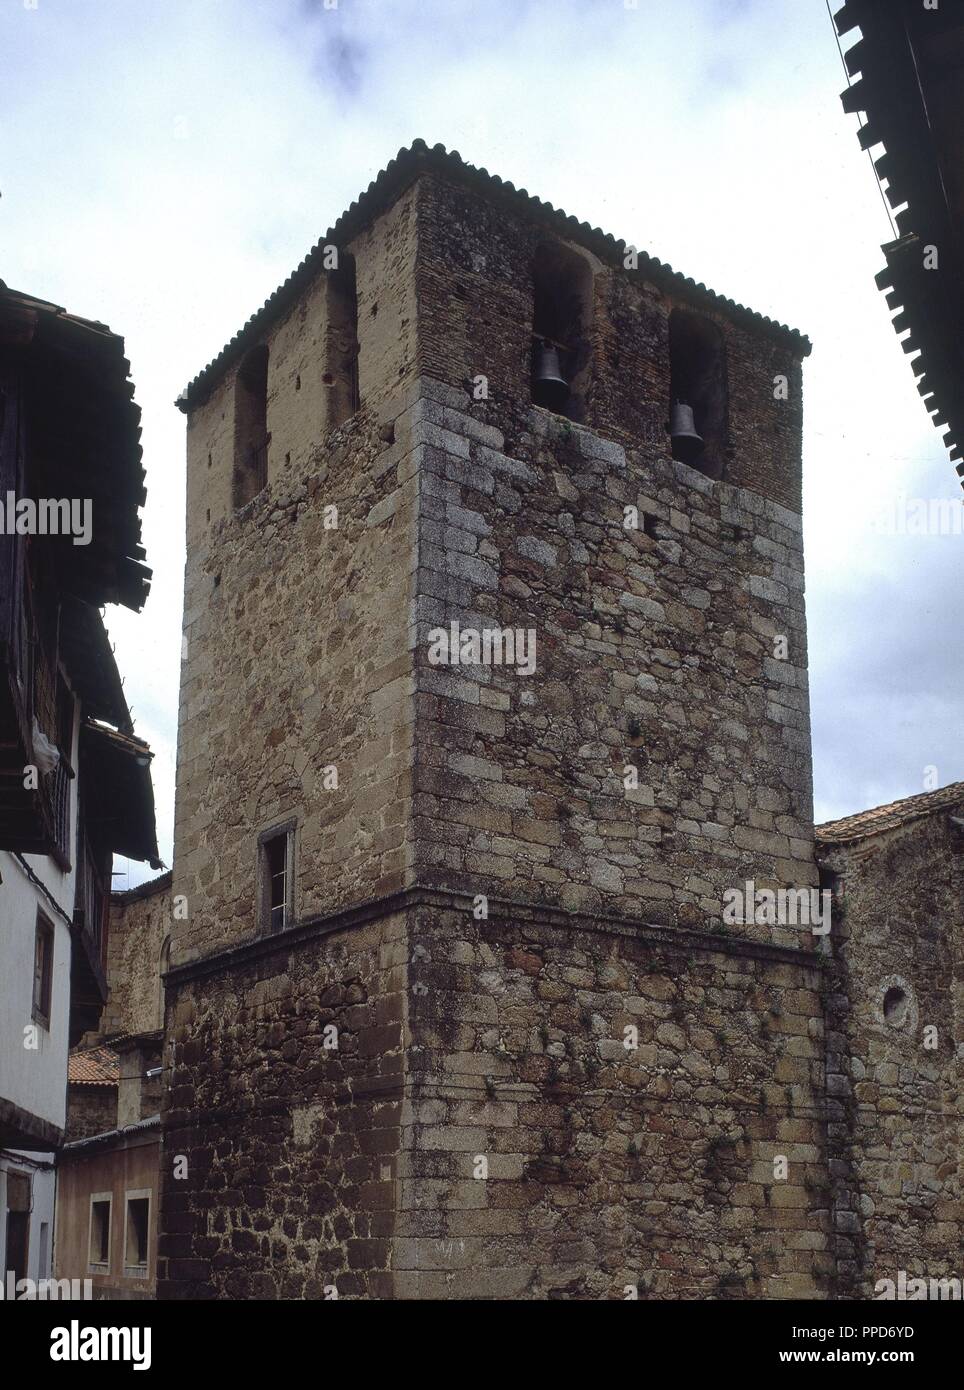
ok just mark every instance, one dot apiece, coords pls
pixel 164 164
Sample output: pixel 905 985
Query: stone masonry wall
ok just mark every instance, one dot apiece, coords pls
pixel 140 924
pixel 655 650
pixel 297 663
pixel 522 524
pixel 895 1102
pixel 306 648
pixel 475 301
pixel 606 1168
pixel 291 1145
pixel 295 653
pixel 90 1110
pixel 259 732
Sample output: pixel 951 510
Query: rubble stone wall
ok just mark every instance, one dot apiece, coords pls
pixel 895 1062
pixel 140 924
pixel 655 661
pixel 599 1108
pixel 285 1113
pixel 516 873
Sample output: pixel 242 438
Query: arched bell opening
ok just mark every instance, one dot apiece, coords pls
pixel 697 419
pixel 562 290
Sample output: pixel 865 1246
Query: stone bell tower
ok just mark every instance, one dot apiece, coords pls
pixel 493 686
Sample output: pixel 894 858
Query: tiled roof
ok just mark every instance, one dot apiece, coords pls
pixel 396 176
pixel 909 63
pixel 95 1066
pixel 115 1137
pixel 98 443
pixel 120 897
pixel 880 818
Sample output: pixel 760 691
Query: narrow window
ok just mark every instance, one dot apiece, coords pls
pixel 99 1252
pixel 561 323
pixel 697 392
pixel 43 970
pixel 341 343
pixel 251 426
pixel 136 1242
pixel 44 1252
pixel 277 853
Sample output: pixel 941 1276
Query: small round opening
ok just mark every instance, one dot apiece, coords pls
pixel 895 1005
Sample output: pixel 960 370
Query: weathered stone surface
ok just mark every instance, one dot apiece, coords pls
pixel 559 1072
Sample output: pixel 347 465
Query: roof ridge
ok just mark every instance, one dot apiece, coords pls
pixel 398 172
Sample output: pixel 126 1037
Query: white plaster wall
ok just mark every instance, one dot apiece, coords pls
pixel 42 1201
pixel 36 1078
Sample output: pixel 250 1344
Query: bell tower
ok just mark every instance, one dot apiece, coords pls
pixel 492 689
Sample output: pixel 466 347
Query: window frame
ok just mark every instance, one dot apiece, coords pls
pixel 41 1008
pixel 285 829
pixel 137 1194
pixel 100 1266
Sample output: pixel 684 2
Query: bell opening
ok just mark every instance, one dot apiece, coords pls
pixel 697 391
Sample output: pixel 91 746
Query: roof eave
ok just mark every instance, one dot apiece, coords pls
pixel 416 159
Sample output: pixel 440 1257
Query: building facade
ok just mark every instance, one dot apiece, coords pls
pixel 108 1168
pixel 74 780
pixel 895 1060
pixel 494 700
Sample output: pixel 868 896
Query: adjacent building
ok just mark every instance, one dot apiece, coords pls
pixel 75 783
pixel 895 1060
pixel 108 1168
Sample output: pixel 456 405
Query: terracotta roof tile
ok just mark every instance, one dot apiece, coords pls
pixel 95 1066
pixel 881 818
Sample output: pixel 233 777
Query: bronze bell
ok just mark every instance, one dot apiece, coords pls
pixel 549 386
pixel 687 444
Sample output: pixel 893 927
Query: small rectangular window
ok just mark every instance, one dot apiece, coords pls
pixel 277 849
pixel 43 970
pixel 99 1254
pixel 136 1244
